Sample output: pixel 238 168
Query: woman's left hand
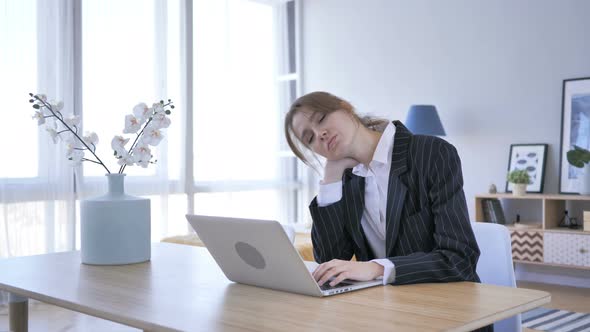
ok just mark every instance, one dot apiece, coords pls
pixel 340 270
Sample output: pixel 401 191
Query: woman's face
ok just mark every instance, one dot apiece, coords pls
pixel 329 135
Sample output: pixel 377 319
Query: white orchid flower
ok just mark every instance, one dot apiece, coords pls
pixel 152 136
pixel 56 106
pixel 157 108
pixel 132 124
pixel 118 144
pixel 71 145
pixel 142 112
pixel 72 120
pixel 160 120
pixel 91 138
pixel 75 156
pixel 126 159
pixel 53 134
pixel 40 117
pixel 142 154
pixel 144 163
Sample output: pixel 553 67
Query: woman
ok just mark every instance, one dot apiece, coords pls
pixel 392 199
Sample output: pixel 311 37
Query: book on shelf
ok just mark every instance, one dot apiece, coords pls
pixel 498 211
pixel 492 211
pixel 487 215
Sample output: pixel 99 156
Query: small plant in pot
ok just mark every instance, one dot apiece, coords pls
pixel 580 158
pixel 520 178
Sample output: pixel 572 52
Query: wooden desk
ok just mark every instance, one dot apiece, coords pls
pixel 183 289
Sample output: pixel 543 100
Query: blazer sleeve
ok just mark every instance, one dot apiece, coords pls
pixel 329 237
pixel 455 252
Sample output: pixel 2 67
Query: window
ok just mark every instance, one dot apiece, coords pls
pixel 232 76
pixel 242 64
pixel 119 70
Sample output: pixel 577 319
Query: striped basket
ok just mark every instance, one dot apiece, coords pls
pixel 527 246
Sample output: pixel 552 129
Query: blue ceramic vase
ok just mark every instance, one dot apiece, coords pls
pixel 115 228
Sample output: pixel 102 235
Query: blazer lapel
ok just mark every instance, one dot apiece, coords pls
pixel 354 195
pixel 396 192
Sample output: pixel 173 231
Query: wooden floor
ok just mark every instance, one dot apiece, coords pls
pixel 44 317
pixel 562 297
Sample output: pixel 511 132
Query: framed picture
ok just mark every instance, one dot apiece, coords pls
pixel 575 129
pixel 531 157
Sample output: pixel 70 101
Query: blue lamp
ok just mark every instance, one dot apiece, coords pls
pixel 424 120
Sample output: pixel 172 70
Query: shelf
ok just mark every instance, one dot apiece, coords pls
pixel 525 227
pixel 567 230
pixel 573 197
pixel 509 195
pixel 530 233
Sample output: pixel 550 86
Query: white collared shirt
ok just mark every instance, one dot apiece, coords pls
pixel 376 184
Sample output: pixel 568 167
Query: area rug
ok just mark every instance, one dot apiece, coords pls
pixel 555 320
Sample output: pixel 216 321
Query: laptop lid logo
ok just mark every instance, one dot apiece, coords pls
pixel 250 255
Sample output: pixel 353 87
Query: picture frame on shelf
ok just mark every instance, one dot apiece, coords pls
pixel 575 130
pixel 530 157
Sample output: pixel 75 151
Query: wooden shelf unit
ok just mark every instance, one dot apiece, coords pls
pixel 553 207
pixel 543 242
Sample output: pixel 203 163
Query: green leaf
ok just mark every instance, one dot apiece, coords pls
pixel 578 156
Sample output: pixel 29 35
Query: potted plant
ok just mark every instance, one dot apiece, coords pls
pixel 520 178
pixel 115 228
pixel 580 158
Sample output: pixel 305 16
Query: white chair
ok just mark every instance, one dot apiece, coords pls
pixel 290 231
pixel 495 264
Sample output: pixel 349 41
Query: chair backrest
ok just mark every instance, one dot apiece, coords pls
pixel 290 231
pixel 495 264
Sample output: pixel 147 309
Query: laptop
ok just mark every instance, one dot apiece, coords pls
pixel 259 253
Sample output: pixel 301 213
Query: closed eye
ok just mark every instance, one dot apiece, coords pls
pixel 310 140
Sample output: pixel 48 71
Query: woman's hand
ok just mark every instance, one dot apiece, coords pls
pixel 340 270
pixel 335 168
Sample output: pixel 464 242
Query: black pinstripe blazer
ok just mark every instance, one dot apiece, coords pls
pixel 429 238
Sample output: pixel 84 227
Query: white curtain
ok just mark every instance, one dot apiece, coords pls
pixel 37 208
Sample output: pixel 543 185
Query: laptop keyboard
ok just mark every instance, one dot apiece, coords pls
pixel 327 286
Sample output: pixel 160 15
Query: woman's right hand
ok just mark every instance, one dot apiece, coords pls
pixel 335 168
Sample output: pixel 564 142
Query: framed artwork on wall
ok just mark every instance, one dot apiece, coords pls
pixel 575 130
pixel 532 158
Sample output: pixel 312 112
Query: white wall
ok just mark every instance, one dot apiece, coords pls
pixel 494 69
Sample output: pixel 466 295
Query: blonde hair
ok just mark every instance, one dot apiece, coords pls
pixel 323 103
